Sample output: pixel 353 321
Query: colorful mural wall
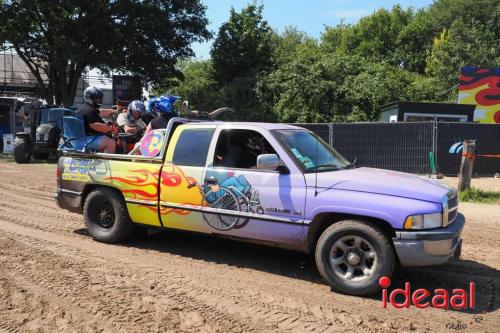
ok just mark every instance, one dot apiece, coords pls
pixel 481 86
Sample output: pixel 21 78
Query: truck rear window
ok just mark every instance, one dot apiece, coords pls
pixel 192 147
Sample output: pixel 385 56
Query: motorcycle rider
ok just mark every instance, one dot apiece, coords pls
pixel 164 107
pixel 131 121
pixel 95 128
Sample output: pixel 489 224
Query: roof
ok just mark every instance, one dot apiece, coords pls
pixel 467 107
pixel 266 126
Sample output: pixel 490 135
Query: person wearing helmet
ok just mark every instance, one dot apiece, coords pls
pixel 164 107
pixel 131 121
pixel 95 128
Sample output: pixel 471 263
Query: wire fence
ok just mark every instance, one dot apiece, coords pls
pixel 407 147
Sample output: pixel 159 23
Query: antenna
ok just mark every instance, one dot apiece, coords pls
pixel 316 165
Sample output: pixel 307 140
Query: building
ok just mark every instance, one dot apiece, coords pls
pixel 16 80
pixel 15 77
pixel 424 111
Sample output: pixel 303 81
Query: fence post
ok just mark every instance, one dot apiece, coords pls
pixel 330 134
pixel 468 155
pixel 434 166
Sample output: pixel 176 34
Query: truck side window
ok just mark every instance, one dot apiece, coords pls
pixel 239 149
pixel 192 147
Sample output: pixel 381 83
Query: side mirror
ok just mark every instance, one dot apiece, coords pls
pixel 271 162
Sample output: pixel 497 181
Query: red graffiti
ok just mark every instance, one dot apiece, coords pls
pixel 471 79
pixel 496 117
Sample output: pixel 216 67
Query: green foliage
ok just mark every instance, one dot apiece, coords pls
pixel 354 69
pixel 243 45
pixel 197 86
pixel 462 45
pixel 477 195
pixel 376 36
pixel 310 88
pixel 6 157
pixel 376 85
pixel 58 40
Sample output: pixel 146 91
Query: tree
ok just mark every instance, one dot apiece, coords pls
pixel 462 45
pixel 312 87
pixel 376 85
pixel 59 40
pixel 287 44
pixel 374 37
pixel 197 86
pixel 417 38
pixel 243 45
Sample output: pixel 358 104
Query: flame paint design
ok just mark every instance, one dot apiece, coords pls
pixel 143 184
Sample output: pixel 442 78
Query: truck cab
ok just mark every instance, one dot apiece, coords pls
pixel 274 184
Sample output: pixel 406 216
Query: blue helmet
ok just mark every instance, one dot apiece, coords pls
pixel 162 104
pixel 151 105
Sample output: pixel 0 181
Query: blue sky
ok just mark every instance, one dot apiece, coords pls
pixel 310 16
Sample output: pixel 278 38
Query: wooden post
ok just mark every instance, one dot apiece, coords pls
pixel 468 156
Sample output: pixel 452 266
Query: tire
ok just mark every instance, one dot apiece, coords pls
pixel 40 156
pixel 22 150
pixel 106 216
pixel 353 255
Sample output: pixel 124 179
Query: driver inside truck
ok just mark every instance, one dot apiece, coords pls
pixel 95 128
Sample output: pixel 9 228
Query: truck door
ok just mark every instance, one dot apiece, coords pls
pixel 243 201
pixel 181 177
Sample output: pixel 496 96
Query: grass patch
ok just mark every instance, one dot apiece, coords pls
pixel 476 195
pixel 6 157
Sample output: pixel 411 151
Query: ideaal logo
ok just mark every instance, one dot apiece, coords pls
pixel 422 298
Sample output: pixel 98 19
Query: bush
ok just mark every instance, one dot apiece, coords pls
pixel 476 195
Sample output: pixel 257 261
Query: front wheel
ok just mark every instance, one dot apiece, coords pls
pixel 353 255
pixel 22 150
pixel 106 216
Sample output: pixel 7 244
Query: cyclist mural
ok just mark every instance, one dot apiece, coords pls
pixel 226 191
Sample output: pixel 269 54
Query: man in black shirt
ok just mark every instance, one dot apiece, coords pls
pixel 95 128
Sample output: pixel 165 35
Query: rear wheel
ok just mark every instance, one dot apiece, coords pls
pixel 22 150
pixel 106 216
pixel 353 255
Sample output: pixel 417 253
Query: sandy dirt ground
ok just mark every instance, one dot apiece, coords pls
pixel 55 278
pixel 483 183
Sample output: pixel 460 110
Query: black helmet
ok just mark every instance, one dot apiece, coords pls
pixel 90 93
pixel 135 106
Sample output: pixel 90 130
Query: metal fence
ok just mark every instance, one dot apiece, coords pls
pixel 406 146
pixel 487 138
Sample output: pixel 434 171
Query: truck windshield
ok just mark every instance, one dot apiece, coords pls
pixel 312 153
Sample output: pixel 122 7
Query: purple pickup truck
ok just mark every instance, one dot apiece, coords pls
pixel 273 184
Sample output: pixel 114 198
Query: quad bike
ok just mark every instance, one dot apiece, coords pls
pixel 43 138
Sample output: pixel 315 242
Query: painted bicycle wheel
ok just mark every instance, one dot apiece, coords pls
pixel 225 203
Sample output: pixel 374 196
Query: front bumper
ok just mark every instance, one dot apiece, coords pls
pixel 430 247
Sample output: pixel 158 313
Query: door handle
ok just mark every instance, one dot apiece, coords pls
pixel 211 180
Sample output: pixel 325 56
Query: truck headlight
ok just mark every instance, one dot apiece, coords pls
pixel 423 221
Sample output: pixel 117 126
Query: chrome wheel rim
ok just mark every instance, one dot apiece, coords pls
pixel 353 258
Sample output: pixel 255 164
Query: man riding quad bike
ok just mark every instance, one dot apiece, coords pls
pixel 131 127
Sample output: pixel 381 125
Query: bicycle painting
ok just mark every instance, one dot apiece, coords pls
pixel 226 194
